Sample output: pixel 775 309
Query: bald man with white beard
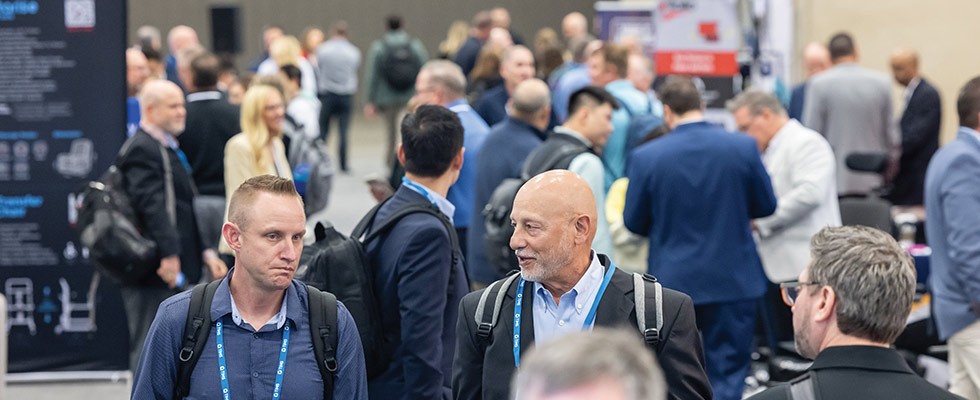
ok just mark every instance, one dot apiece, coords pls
pixel 564 286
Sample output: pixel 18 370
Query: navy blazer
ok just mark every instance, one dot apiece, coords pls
pixel 795 109
pixel 920 125
pixel 693 192
pixel 412 271
pixel 483 371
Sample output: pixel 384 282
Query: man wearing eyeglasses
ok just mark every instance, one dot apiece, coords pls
pixel 849 305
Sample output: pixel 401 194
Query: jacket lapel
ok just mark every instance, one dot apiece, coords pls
pixel 616 303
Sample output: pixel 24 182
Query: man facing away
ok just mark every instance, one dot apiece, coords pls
pixel 693 193
pixel 441 82
pixel 952 198
pixel 849 305
pixel 337 60
pixel 852 107
pixel 418 277
pixel 564 287
pixel 260 341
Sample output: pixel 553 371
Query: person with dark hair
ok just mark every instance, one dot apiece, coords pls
pixel 337 60
pixel 852 107
pixel 480 29
pixel 419 276
pixel 504 151
pixel 849 305
pixel 211 122
pixel 920 124
pixel 392 63
pixel 952 198
pixel 608 68
pixel 693 193
pixel 302 109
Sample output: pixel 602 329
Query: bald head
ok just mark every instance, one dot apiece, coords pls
pixel 574 25
pixel 554 218
pixel 181 36
pixel 905 65
pixel 816 59
pixel 531 101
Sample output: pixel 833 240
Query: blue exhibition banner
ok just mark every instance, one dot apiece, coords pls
pixel 62 119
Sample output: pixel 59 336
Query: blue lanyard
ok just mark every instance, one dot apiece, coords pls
pixel 420 189
pixel 589 318
pixel 223 369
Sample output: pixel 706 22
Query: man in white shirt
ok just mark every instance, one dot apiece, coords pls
pixel 801 166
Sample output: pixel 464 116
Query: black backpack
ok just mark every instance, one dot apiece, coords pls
pixel 109 227
pixel 323 331
pixel 557 152
pixel 399 65
pixel 339 264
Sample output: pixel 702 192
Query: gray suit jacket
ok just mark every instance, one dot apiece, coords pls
pixel 852 107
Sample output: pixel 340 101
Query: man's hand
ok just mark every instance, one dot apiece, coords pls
pixel 217 267
pixel 370 111
pixel 169 268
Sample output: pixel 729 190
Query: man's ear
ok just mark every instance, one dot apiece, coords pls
pixel 458 160
pixel 401 155
pixel 826 304
pixel 232 235
pixel 583 225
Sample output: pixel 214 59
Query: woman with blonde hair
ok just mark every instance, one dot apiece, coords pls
pixel 458 32
pixel 286 50
pixel 258 149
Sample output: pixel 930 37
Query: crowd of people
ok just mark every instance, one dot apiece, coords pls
pixel 609 177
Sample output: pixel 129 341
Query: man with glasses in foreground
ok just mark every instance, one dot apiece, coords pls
pixel 849 305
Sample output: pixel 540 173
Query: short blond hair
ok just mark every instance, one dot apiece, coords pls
pixel 241 201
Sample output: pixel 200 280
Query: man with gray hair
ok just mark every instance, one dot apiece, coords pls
pixel 516 66
pixel 801 167
pixel 849 305
pixel 602 363
pixel 441 82
pixel 507 146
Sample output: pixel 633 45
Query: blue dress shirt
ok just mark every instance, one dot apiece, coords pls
pixel 553 320
pixel 475 132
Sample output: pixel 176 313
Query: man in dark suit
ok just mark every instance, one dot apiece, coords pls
pixel 168 221
pixel 816 59
pixel 920 124
pixel 419 276
pixel 849 305
pixel 693 192
pixel 565 286
pixel 211 121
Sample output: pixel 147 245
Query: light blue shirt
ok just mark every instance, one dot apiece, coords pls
pixel 444 205
pixel 462 193
pixel 974 134
pixel 553 320
pixel 276 322
pixel 614 152
pixel 576 78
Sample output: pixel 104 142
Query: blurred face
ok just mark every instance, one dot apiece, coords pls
pixel 904 71
pixel 270 35
pixel 313 39
pixel 543 237
pixel 235 93
pixel 274 113
pixel 168 113
pixel 425 91
pixel 598 124
pixel 600 72
pixel 518 68
pixel 806 344
pixel 268 246
pixel 137 71
pixel 750 124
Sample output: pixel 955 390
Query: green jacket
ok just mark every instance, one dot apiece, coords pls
pixel 377 90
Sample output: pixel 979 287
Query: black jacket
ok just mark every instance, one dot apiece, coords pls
pixel 865 373
pixel 211 121
pixel 487 376
pixel 142 168
pixel 920 126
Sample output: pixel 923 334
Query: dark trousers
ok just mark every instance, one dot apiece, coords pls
pixel 728 330
pixel 337 106
pixel 140 304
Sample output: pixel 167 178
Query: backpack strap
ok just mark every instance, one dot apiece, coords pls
pixel 648 309
pixel 486 318
pixel 803 387
pixel 196 331
pixel 325 333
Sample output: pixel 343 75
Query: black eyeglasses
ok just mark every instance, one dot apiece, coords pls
pixel 791 290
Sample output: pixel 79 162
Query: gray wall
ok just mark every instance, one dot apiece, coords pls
pixel 426 19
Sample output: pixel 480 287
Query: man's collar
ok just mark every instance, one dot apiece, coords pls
pixel 587 283
pixel 437 199
pixel 223 304
pixel 573 133
pixel 689 120
pixel 162 136
pixel 205 95
pixel 863 357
